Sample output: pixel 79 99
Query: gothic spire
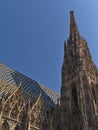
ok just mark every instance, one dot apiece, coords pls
pixel 73 26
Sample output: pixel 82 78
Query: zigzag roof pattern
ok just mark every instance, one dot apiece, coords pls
pixel 31 88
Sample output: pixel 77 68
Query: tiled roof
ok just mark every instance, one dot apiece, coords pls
pixel 1 94
pixel 30 87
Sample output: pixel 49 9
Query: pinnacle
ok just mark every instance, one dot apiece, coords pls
pixel 73 26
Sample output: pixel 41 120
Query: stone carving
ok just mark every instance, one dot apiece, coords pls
pixel 15 114
pixel 82 106
pixel 77 108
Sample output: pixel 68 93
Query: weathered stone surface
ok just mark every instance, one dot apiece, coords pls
pixel 15 114
pixel 79 96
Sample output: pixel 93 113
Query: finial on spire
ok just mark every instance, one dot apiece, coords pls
pixel 73 26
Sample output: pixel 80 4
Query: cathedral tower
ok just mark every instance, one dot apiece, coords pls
pixel 79 91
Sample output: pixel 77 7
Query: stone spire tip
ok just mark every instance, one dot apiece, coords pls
pixel 73 25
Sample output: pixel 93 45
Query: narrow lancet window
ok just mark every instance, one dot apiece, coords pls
pixel 74 96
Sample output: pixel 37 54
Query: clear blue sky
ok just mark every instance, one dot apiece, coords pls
pixel 32 34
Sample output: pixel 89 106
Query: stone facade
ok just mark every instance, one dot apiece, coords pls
pixel 15 113
pixel 79 91
pixel 77 108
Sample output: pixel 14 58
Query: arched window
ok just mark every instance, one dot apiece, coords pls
pixel 74 96
pixel 5 126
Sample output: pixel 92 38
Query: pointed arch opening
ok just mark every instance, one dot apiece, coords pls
pixel 74 98
pixel 5 126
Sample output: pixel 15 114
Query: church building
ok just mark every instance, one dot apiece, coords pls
pixel 26 104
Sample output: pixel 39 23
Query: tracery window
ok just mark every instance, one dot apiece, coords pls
pixel 5 126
